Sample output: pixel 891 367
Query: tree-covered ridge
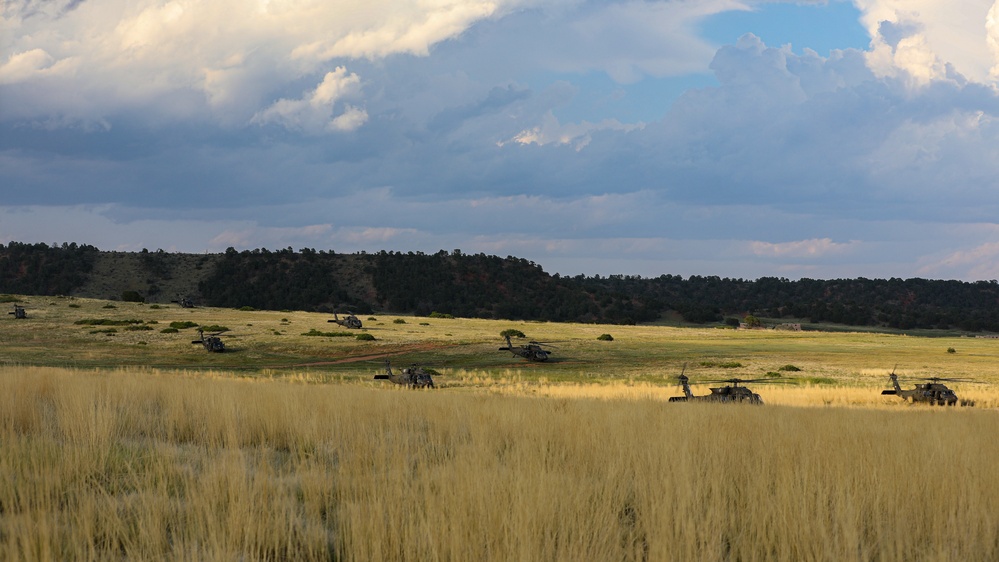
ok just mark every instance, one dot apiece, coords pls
pixel 487 286
pixel 40 269
pixel 282 280
pixel 484 286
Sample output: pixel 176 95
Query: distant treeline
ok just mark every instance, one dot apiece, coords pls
pixel 484 286
pixel 40 269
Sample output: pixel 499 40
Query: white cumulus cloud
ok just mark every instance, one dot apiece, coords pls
pixel 930 40
pixel 315 111
pixel 227 59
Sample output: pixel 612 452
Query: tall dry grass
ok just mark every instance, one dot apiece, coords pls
pixel 149 465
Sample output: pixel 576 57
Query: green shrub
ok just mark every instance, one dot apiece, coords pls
pixel 398 321
pixel 169 331
pixel 247 309
pixel 181 325
pixel 365 337
pixel 155 307
pixel 138 328
pixel 424 323
pixel 951 350
pixel 106 322
pixel 722 365
pixel 74 305
pixel 109 305
pixel 316 333
pixel 512 333
pixel 436 314
pixel 215 328
pixel 132 296
pixel 790 368
pixel 107 331
pixel 605 337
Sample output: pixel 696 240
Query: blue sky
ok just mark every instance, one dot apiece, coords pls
pixel 739 138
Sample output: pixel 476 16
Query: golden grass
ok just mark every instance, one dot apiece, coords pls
pixel 142 464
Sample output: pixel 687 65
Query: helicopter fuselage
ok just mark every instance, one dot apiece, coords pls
pixel 933 393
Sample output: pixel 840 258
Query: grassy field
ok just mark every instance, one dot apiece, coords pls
pixel 138 445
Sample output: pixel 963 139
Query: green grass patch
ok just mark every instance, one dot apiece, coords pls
pixel 365 337
pixel 215 328
pixel 605 337
pixel 182 325
pixel 138 328
pixel 817 380
pixel 790 368
pixel 169 331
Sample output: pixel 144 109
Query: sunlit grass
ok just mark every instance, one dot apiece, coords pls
pixel 153 465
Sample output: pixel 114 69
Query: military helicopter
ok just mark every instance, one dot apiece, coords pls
pixel 184 302
pixel 19 312
pixel 733 393
pixel 932 392
pixel 350 321
pixel 212 342
pixel 413 377
pixel 533 351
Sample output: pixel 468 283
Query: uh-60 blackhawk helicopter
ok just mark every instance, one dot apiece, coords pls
pixel 730 393
pixel 212 342
pixel 18 312
pixel 413 377
pixel 932 392
pixel 349 321
pixel 533 351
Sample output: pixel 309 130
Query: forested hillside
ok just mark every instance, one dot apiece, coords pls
pixel 484 286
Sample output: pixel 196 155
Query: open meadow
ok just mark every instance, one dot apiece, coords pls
pixel 136 444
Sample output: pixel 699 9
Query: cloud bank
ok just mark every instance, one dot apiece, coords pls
pixel 194 125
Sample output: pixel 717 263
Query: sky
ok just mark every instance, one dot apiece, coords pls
pixel 738 138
